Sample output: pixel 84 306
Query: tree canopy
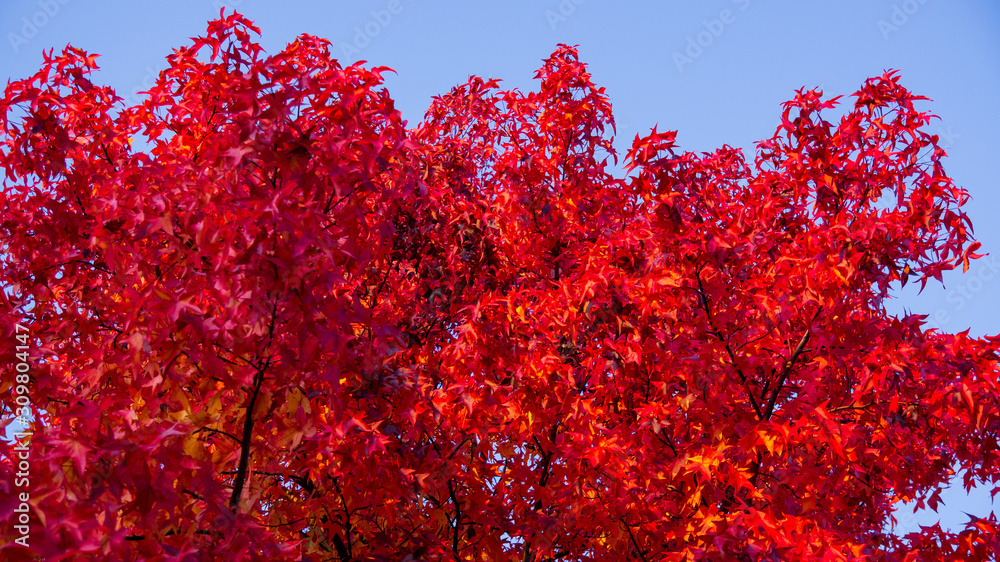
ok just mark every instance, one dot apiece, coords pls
pixel 267 320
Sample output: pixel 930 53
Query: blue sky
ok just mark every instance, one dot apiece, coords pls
pixel 714 70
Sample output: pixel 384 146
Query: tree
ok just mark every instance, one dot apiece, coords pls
pixel 268 320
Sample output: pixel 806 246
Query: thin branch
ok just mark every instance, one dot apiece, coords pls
pixel 458 520
pixel 543 478
pixel 241 472
pixel 788 369
pixel 635 543
pixel 219 432
pixel 729 350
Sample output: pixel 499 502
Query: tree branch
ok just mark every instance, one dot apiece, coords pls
pixel 458 520
pixel 241 471
pixel 787 369
pixel 729 350
pixel 635 543
pixel 543 478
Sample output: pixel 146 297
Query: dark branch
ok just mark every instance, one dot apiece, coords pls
pixel 241 472
pixel 788 369
pixel 729 350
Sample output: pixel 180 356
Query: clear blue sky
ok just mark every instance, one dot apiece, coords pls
pixel 714 70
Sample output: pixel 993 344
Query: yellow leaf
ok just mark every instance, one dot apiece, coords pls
pixel 293 400
pixel 185 412
pixel 768 440
pixel 686 402
pixel 263 404
pixel 296 399
pixel 214 406
pixel 194 448
pixel 695 498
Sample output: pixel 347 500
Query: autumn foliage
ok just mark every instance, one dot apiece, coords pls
pixel 271 322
